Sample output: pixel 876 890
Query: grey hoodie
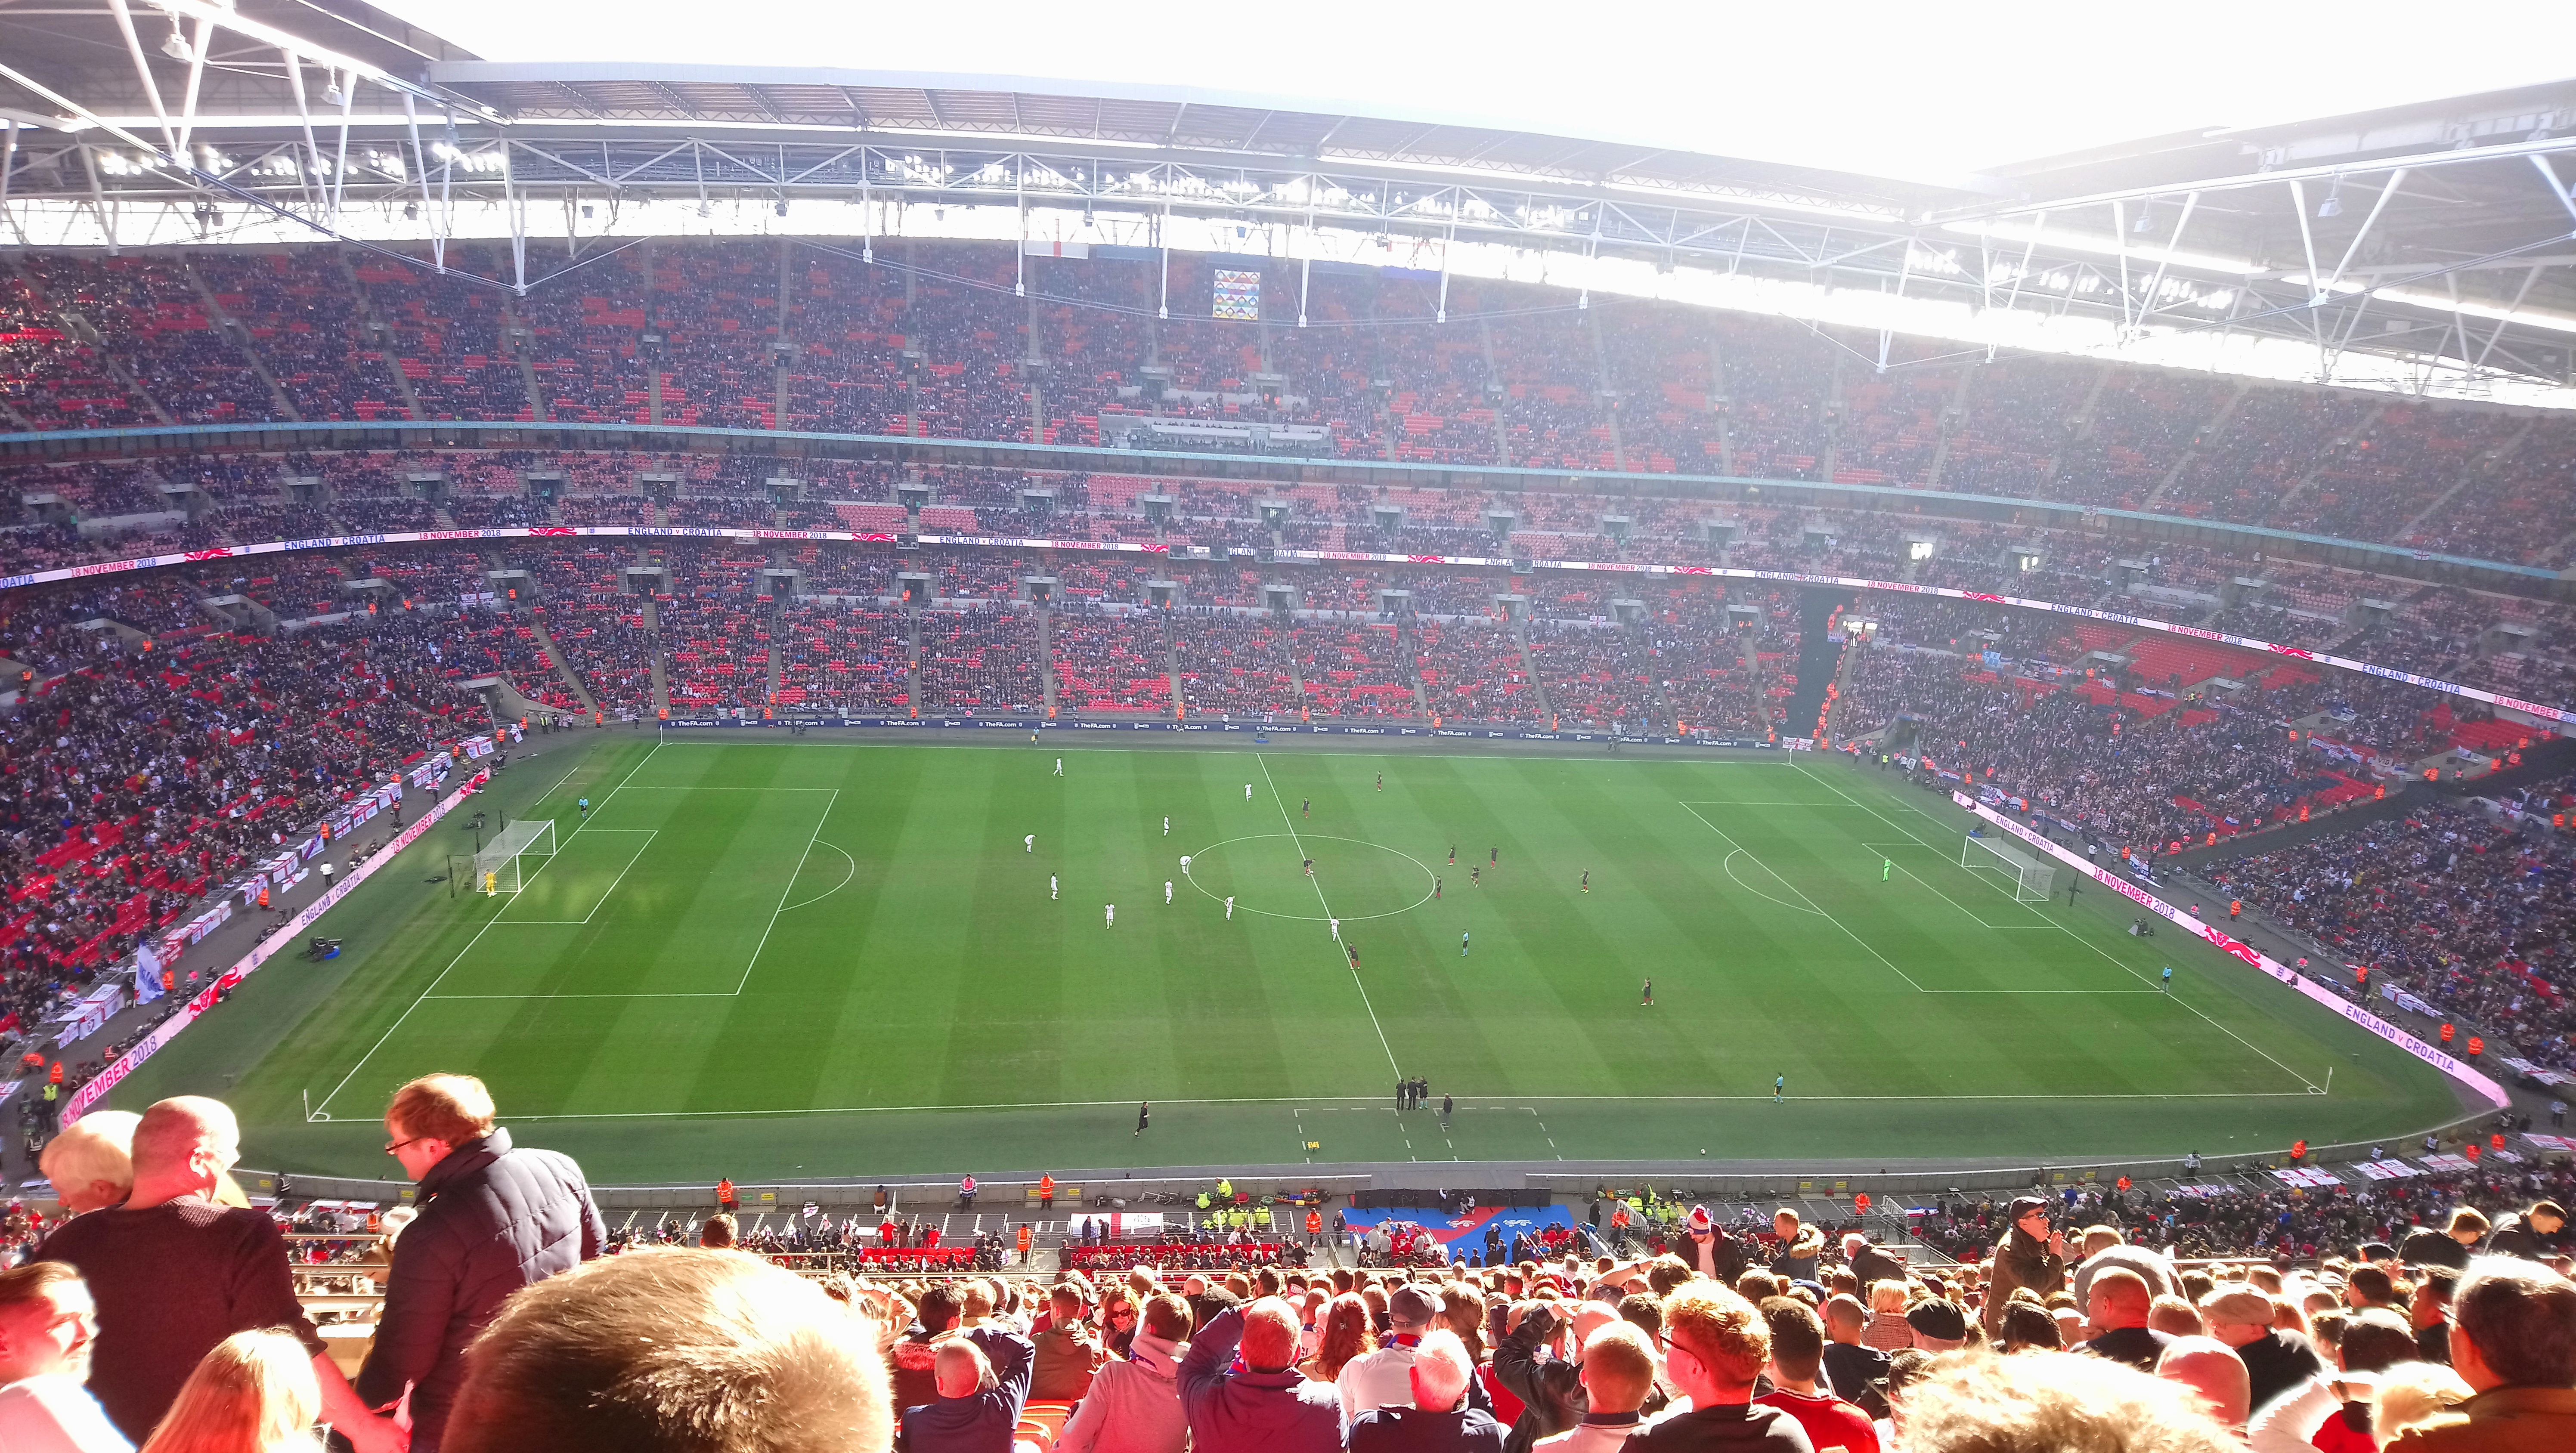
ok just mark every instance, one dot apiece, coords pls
pixel 1134 1405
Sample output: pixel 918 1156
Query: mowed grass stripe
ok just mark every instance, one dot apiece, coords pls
pixel 940 972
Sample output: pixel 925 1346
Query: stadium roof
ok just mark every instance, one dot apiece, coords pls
pixel 2430 246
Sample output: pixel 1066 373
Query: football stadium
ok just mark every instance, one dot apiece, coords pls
pixel 1160 762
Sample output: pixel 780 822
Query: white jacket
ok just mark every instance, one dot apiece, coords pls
pixel 1134 1405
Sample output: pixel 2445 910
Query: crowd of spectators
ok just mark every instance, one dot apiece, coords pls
pixel 730 333
pixel 2433 1313
pixel 2466 911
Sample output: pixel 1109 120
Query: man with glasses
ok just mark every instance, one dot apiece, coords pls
pixel 177 1269
pixel 2031 1254
pixel 1715 1345
pixel 493 1218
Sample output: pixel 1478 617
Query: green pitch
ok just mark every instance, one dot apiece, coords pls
pixel 791 959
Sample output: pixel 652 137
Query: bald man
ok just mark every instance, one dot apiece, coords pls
pixel 2212 1369
pixel 175 1272
pixel 2118 1311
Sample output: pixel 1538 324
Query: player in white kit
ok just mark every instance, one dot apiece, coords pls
pixel 1167 890
pixel 1052 894
pixel 1030 842
pixel 1229 908
pixel 1112 909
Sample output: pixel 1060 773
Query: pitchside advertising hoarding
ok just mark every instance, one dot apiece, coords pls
pixel 1617 567
pixel 168 1029
pixel 2246 953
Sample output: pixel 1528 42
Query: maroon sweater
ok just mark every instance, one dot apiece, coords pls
pixel 171 1282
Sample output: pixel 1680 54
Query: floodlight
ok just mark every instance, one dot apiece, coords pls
pixel 779 206
pixel 176 48
pixel 2332 206
pixel 705 208
pixel 332 95
pixel 411 211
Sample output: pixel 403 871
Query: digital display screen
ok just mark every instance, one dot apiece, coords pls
pixel 1238 295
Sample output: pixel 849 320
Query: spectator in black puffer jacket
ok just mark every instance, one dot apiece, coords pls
pixel 492 1219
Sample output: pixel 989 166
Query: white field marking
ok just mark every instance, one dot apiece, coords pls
pixel 1805 905
pixel 819 819
pixel 1727 802
pixel 1328 912
pixel 2307 1084
pixel 1198 858
pixel 835 888
pixel 1377 1104
pixel 1054 750
pixel 1827 917
pixel 320 1112
pixel 1885 850
pixel 650 833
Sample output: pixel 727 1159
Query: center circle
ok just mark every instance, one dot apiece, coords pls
pixel 1360 879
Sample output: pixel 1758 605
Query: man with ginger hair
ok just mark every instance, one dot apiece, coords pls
pixel 1715 1345
pixel 673 1351
pixel 493 1218
pixel 1268 1404
pixel 174 1272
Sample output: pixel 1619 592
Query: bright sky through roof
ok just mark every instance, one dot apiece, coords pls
pixel 1908 90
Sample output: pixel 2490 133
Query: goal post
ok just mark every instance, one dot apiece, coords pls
pixel 2034 877
pixel 498 867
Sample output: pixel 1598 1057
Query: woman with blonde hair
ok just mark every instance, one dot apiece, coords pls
pixel 1347 1333
pixel 255 1393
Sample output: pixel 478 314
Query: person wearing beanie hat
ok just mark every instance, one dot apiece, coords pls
pixel 2031 1254
pixel 1938 1326
pixel 1708 1249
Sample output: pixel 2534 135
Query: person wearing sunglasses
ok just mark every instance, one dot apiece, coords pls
pixel 2031 1254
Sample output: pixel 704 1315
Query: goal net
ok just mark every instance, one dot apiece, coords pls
pixel 498 868
pixel 2032 875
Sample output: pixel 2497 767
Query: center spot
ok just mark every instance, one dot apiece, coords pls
pixel 1265 874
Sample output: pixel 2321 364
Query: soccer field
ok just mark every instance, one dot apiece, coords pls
pixel 792 958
